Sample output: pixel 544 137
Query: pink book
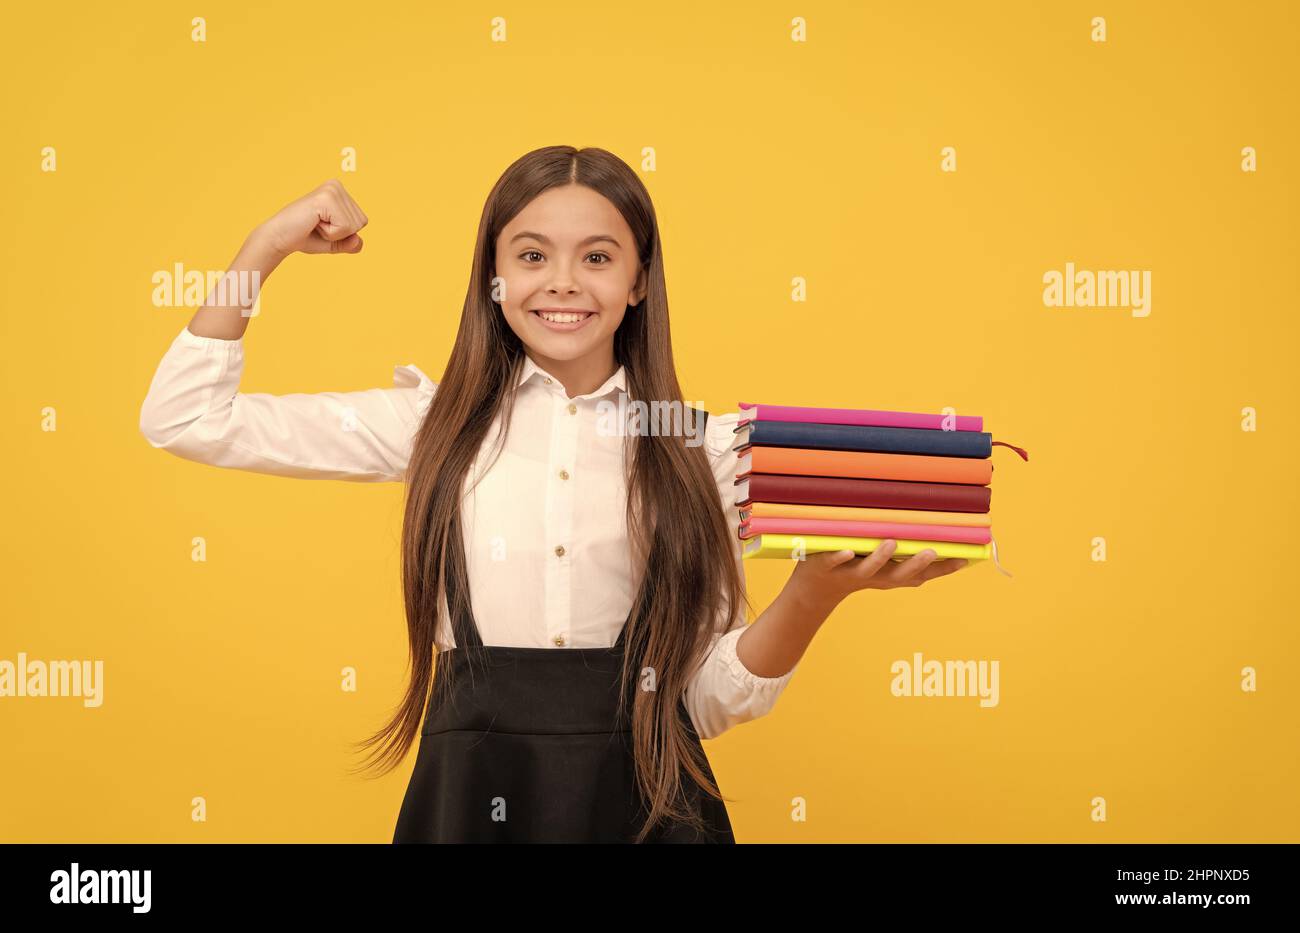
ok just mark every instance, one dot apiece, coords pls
pixel 895 530
pixel 751 411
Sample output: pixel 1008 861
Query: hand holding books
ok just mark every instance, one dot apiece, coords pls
pixel 811 480
pixel 829 576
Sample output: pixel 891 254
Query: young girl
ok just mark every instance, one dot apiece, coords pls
pixel 581 588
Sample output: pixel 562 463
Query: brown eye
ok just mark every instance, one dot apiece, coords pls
pixel 603 256
pixel 531 252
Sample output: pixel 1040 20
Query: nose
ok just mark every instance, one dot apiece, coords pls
pixel 561 279
pixel 561 284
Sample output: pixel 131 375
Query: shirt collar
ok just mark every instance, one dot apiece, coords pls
pixel 531 370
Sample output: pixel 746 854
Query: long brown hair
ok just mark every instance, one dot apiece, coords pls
pixel 680 536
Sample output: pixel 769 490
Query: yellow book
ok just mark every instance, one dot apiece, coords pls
pixel 771 546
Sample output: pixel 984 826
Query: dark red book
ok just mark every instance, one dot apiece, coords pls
pixel 864 493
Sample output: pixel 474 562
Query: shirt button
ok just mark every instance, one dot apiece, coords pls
pixel 573 409
pixel 548 380
pixel 564 474
pixel 559 639
pixel 559 550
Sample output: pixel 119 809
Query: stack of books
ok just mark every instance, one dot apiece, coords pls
pixel 831 479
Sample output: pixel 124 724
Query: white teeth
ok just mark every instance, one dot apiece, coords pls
pixel 561 317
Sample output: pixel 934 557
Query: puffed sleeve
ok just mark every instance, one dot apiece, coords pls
pixel 723 692
pixel 194 409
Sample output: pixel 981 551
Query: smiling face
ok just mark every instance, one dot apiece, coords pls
pixel 569 250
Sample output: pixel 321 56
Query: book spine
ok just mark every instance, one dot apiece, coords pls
pixel 796 526
pixel 847 463
pixel 844 513
pixel 866 416
pixel 870 438
pixel 867 493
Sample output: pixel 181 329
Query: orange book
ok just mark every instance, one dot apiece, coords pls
pixel 804 461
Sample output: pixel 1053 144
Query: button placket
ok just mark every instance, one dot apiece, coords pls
pixel 560 501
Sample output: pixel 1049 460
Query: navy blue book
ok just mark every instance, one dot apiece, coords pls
pixel 864 438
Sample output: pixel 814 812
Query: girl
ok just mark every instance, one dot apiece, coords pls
pixel 581 588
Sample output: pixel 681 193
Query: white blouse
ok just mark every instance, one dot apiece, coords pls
pixel 558 574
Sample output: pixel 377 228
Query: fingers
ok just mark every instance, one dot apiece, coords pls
pixel 350 244
pixel 875 571
pixel 870 565
pixel 339 217
pixel 832 559
pixel 903 574
pixel 325 220
pixel 922 567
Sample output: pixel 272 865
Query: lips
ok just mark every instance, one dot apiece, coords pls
pixel 565 327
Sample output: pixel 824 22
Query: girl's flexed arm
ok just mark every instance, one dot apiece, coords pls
pixel 195 410
pixel 326 220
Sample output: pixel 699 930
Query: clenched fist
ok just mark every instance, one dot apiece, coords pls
pixel 324 221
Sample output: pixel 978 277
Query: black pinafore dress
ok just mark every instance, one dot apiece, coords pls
pixel 528 747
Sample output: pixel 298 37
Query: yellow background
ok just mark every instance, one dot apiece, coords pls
pixel 775 159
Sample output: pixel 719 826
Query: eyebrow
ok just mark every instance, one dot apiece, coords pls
pixel 542 239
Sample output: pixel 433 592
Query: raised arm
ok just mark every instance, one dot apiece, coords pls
pixel 195 410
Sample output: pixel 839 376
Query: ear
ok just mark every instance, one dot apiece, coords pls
pixel 637 294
